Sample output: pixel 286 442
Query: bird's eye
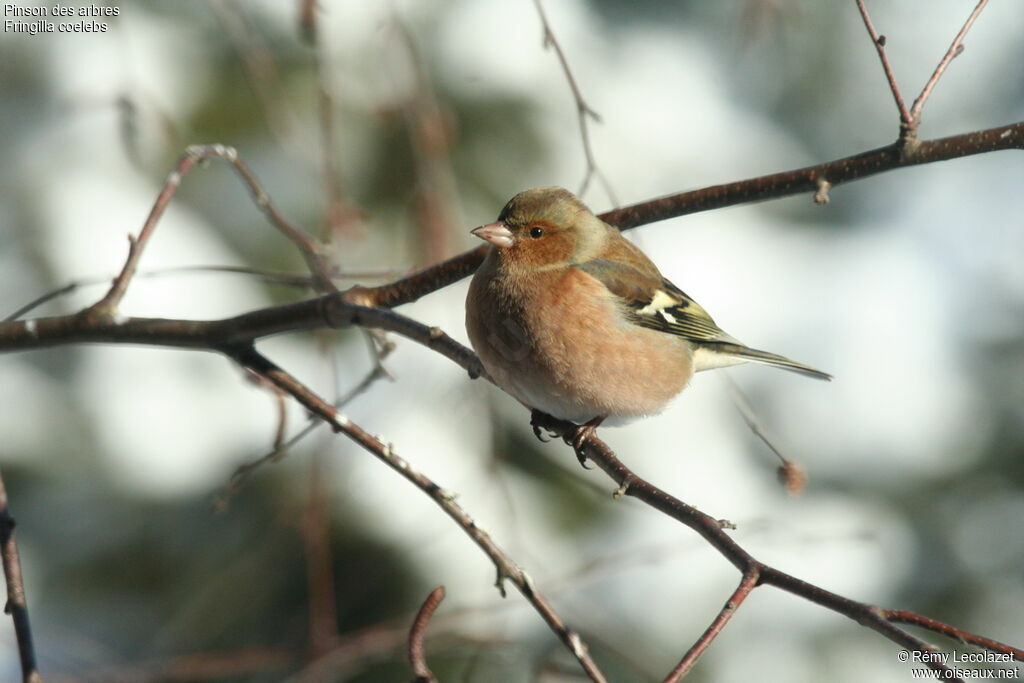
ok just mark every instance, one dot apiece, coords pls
pixel 536 232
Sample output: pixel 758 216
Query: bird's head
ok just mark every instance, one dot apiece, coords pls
pixel 544 227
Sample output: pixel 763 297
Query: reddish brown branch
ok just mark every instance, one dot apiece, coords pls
pixel 338 312
pixel 879 42
pixel 417 653
pixel 897 616
pixel 508 570
pixel 713 531
pixel 955 48
pixel 16 605
pixel 428 128
pixel 806 180
pixel 772 186
pixel 281 449
pixel 221 335
pixel 911 119
pixel 341 216
pixel 803 180
pixel 747 584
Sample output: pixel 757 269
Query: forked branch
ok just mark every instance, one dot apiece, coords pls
pixel 756 573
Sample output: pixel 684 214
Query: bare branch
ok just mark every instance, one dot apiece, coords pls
pixel 14 335
pixel 275 277
pixel 583 110
pixel 747 584
pixel 879 42
pixel 508 570
pixel 806 180
pixel 773 186
pixel 790 474
pixel 281 449
pixel 107 306
pixel 418 631
pixel 955 48
pixel 42 299
pixel 341 216
pixel 904 617
pixel 714 532
pixel 16 605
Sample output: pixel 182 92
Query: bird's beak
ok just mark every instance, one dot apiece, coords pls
pixel 496 233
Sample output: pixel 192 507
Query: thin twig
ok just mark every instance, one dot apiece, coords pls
pixel 279 404
pixel 107 306
pixel 416 651
pixel 791 475
pixel 879 41
pixel 583 110
pixel 242 472
pixel 955 48
pixel 16 606
pixel 42 299
pixel 747 584
pixel 742 405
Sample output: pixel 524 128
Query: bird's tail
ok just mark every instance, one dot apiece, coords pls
pixel 745 353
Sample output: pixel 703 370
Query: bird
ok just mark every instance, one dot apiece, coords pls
pixel 575 321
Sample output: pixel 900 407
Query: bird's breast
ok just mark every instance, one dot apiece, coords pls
pixel 559 342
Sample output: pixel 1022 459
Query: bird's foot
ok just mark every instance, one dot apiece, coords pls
pixel 537 422
pixel 579 437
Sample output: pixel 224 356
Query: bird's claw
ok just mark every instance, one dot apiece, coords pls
pixel 578 439
pixel 539 433
pixel 536 422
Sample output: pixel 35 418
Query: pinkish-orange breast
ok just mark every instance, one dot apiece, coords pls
pixel 561 345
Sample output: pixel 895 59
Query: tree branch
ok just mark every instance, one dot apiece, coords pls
pixel 955 48
pixel 713 531
pixel 879 41
pixel 747 584
pixel 583 110
pixel 416 651
pixel 368 307
pixel 107 306
pixel 507 569
pixel 16 605
pixel 807 179
pixel 773 186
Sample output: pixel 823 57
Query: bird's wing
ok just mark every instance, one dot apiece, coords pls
pixel 652 301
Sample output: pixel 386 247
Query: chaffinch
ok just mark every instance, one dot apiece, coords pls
pixel 575 321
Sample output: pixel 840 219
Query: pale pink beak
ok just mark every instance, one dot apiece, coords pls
pixel 495 233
